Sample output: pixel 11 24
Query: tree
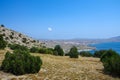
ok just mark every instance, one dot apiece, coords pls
pixel 73 52
pixel 3 43
pixel 59 50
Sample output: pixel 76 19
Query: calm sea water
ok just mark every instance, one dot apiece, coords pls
pixel 109 45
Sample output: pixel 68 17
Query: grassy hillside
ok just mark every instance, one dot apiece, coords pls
pixel 62 68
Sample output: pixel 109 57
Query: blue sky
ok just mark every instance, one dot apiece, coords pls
pixel 66 19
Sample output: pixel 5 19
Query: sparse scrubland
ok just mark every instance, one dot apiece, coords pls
pixel 63 68
pixel 18 62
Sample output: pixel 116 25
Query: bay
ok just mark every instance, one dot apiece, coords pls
pixel 108 45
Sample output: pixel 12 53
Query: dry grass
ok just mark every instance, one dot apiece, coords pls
pixel 64 68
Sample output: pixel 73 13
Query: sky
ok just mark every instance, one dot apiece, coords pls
pixel 62 19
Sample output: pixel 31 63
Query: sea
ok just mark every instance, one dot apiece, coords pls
pixel 106 46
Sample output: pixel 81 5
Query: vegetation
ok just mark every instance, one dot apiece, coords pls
pixel 58 50
pixel 42 50
pixel 20 35
pixel 86 54
pixel 21 62
pixel 11 37
pixel 12 33
pixel 18 47
pixel 24 40
pixel 2 25
pixel 34 50
pixel 99 53
pixel 46 50
pixel 3 43
pixel 111 62
pixel 73 52
pixel 49 51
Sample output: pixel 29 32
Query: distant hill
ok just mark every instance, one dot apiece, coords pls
pixel 117 38
pixel 13 37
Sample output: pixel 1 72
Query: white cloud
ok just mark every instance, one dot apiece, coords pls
pixel 49 29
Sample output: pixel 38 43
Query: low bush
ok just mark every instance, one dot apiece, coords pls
pixel 34 50
pixel 42 50
pixel 108 54
pixel 46 50
pixel 24 40
pixel 18 47
pixel 73 52
pixel 2 25
pixel 49 51
pixel 111 62
pixel 86 54
pixel 99 53
pixel 3 43
pixel 55 53
pixel 21 62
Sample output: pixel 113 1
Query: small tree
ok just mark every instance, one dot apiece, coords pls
pixel 73 52
pixel 3 43
pixel 59 50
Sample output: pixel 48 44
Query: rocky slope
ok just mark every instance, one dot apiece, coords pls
pixel 13 37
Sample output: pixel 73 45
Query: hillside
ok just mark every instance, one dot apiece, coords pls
pixel 13 37
pixel 62 68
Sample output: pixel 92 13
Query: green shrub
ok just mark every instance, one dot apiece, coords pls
pixel 46 50
pixel 108 54
pixel 24 40
pixel 49 51
pixel 73 52
pixel 42 50
pixel 11 37
pixel 111 62
pixel 99 53
pixel 18 47
pixel 3 43
pixel 21 62
pixel 34 50
pixel 2 25
pixel 86 54
pixel 59 50
pixel 55 53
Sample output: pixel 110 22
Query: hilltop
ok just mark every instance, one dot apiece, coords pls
pixel 13 37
